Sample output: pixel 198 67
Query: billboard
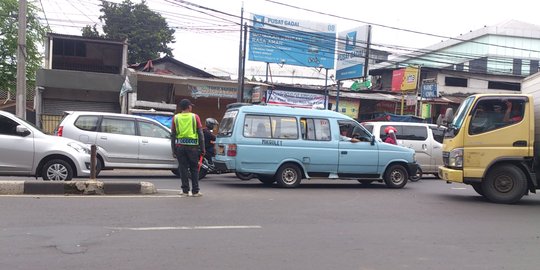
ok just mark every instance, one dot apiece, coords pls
pixel 295 99
pixel 405 79
pixel 292 41
pixel 352 47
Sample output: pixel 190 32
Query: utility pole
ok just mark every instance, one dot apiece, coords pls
pixel 240 57
pixel 20 99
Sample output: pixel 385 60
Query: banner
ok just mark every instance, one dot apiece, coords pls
pixel 397 79
pixel 294 99
pixel 410 79
pixel 352 53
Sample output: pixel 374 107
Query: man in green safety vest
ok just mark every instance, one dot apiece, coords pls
pixel 187 142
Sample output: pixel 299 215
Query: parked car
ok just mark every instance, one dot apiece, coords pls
pixel 425 139
pixel 26 151
pixel 124 140
pixel 285 145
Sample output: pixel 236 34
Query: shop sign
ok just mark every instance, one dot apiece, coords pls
pixel 429 90
pixel 294 99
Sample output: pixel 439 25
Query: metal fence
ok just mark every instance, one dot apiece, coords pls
pixel 49 123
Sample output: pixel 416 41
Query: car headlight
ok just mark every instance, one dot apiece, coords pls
pixel 455 158
pixel 79 148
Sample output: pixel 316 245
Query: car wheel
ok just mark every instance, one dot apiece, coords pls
pixel 417 176
pixel 289 176
pixel 244 176
pixel 266 179
pixel 396 176
pixel 57 170
pixel 478 188
pixel 505 184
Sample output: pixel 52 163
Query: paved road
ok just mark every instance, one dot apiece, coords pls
pixel 245 225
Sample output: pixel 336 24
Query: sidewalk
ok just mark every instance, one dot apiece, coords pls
pixel 88 187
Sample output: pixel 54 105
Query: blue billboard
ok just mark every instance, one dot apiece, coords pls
pixel 292 42
pixel 352 47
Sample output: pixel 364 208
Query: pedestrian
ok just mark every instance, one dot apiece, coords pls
pixel 210 138
pixel 187 142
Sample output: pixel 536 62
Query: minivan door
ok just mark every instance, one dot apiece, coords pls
pixel 357 158
pixel 416 138
pixel 118 139
pixel 155 145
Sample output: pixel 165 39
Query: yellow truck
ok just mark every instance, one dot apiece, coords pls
pixel 491 143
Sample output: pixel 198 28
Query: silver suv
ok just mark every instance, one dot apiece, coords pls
pixel 26 151
pixel 123 140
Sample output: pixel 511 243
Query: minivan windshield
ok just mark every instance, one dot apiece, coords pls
pixel 227 124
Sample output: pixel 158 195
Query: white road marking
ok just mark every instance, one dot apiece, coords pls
pixel 459 188
pixel 93 196
pixel 186 228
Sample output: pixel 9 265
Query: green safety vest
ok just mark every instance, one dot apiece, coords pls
pixel 186 129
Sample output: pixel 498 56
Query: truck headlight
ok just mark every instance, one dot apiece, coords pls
pixel 456 158
pixel 79 148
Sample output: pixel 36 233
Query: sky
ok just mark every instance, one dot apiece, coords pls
pixel 216 48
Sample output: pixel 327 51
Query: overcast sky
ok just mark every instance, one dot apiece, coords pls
pixel 216 48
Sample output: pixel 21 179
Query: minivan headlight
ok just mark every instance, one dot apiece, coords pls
pixel 79 148
pixel 455 158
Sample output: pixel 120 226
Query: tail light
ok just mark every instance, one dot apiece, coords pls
pixel 231 150
pixel 60 131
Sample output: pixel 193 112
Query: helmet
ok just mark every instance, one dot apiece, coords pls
pixel 388 128
pixel 211 123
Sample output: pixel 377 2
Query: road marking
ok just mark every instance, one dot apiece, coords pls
pixel 459 188
pixel 93 196
pixel 187 228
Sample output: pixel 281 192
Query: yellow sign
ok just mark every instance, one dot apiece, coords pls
pixel 410 79
pixel 349 107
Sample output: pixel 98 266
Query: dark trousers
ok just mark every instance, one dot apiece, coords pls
pixel 188 158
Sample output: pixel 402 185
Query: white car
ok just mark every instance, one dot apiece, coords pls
pixel 425 139
pixel 123 140
pixel 26 151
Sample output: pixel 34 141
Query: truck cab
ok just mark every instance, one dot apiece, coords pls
pixel 489 144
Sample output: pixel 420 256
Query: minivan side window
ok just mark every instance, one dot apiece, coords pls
pixel 118 126
pixel 277 127
pixel 438 133
pixel 148 129
pixel 315 129
pixel 87 122
pixel 7 126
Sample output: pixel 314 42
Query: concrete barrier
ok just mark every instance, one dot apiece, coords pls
pixel 89 187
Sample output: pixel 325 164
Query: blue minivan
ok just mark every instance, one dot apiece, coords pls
pixel 285 145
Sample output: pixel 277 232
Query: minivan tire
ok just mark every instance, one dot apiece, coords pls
pixel 57 170
pixel 289 176
pixel 396 176
pixel 244 176
pixel 266 179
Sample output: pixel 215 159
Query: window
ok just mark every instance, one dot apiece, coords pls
pixel 118 126
pixel 438 133
pixel 315 129
pixel 494 113
pixel 148 129
pixel 504 85
pixel 413 133
pixel 351 129
pixel 227 124
pixel 87 122
pixel 276 127
pixel 7 126
pixel 516 67
pixel 453 81
pixel 66 47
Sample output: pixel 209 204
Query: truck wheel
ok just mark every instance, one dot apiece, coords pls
pixel 244 176
pixel 289 176
pixel 505 184
pixel 396 176
pixel 266 179
pixel 478 188
pixel 57 170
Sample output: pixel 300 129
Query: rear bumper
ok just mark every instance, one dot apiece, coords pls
pixel 451 175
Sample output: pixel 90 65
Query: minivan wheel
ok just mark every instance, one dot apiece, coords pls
pixel 396 176
pixel 289 176
pixel 417 176
pixel 266 179
pixel 57 170
pixel 244 176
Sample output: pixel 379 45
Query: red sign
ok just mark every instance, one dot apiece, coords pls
pixel 397 79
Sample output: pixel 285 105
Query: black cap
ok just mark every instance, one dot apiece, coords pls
pixel 185 103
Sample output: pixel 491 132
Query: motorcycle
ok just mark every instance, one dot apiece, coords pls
pixel 207 167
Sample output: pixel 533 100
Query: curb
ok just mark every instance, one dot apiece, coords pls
pixel 89 187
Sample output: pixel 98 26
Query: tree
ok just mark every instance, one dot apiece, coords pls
pixel 35 35
pixel 146 31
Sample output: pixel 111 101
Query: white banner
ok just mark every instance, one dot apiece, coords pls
pixel 294 99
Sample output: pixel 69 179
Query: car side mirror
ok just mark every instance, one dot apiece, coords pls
pixel 372 139
pixel 449 115
pixel 22 130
